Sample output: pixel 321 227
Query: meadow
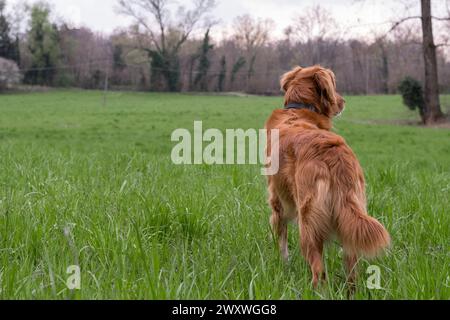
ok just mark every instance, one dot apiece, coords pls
pixel 92 184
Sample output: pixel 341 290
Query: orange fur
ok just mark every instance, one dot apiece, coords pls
pixel 320 182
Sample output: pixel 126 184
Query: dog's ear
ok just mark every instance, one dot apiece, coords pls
pixel 287 78
pixel 326 86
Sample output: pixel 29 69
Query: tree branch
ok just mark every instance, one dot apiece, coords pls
pixel 444 44
pixel 192 18
pixel 441 18
pixel 398 23
pixel 127 7
pixel 157 18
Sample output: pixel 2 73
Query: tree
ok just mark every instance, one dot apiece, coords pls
pixel 82 53
pixel 222 74
pixel 8 47
pixel 251 35
pixel 318 32
pixel 118 63
pixel 432 108
pixel 384 68
pixel 43 45
pixel 238 65
pixel 204 64
pixel 433 111
pixel 166 37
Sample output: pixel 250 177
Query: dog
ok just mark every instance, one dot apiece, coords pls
pixel 320 182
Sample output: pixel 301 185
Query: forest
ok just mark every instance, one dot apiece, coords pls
pixel 191 53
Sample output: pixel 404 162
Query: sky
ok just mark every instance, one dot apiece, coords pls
pixel 359 16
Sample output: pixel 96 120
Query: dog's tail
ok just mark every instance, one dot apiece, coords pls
pixel 360 233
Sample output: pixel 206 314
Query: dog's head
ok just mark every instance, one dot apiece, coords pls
pixel 316 86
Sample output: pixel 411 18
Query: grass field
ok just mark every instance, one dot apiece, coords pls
pixel 92 185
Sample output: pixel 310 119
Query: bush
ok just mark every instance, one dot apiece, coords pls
pixel 9 74
pixel 64 79
pixel 412 94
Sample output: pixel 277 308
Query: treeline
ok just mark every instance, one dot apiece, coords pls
pixel 190 54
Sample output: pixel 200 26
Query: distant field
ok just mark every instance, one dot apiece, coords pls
pixel 92 185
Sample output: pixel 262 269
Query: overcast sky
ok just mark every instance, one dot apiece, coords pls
pixel 360 15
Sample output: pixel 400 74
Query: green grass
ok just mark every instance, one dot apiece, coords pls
pixel 82 183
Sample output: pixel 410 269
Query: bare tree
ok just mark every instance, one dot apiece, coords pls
pixel 251 35
pixel 318 33
pixel 315 23
pixel 166 36
pixel 89 55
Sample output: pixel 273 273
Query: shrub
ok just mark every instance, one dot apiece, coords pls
pixel 412 94
pixel 64 79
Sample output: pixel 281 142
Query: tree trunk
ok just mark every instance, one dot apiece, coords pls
pixel 384 69
pixel 432 105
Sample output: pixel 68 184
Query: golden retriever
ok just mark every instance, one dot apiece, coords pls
pixel 320 183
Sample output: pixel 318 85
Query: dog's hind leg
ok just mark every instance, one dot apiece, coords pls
pixel 312 248
pixel 314 223
pixel 351 261
pixel 279 225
